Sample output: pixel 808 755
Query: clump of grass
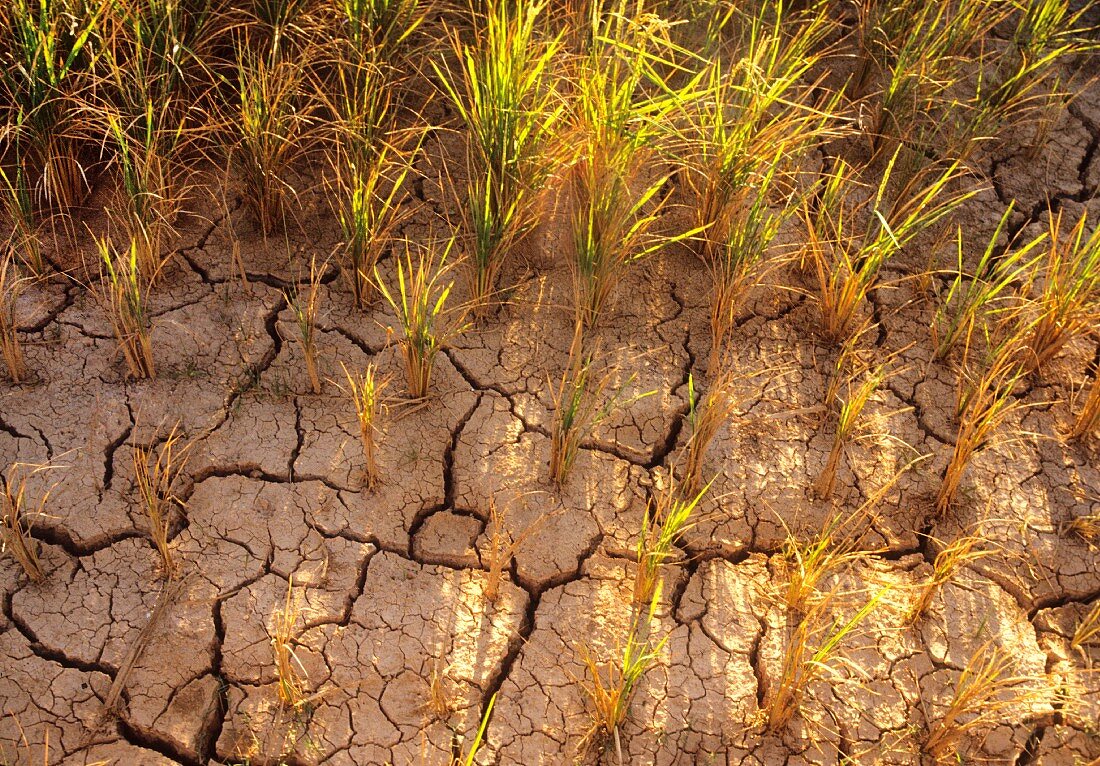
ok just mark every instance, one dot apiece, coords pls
pixel 18 521
pixel 1068 303
pixel 960 552
pixel 581 403
pixel 803 663
pixel 1088 417
pixel 365 390
pixel 1088 630
pixel 984 693
pixel 504 95
pixel 11 349
pixel 156 479
pixel 289 672
pixel 847 256
pixel 304 308
pixel 983 405
pixel 610 686
pixel 420 302
pixel 379 28
pixel 809 562
pixel 123 291
pixel 666 518
pixel 370 185
pixel 847 421
pixel 972 297
pixel 706 415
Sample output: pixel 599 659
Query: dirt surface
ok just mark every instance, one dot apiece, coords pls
pixel 103 662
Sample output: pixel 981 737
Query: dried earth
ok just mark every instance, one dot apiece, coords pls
pixel 101 662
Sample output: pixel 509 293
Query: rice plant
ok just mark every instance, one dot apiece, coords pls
pixel 848 415
pixel 1087 631
pixel 753 116
pixel 610 686
pixel 809 562
pixel 420 303
pixel 19 514
pixel 19 209
pixel 505 96
pixel 501 547
pixel 379 28
pixel 365 390
pixel 848 248
pixel 1088 417
pixel 304 302
pixel 667 516
pixel 269 121
pixel 290 673
pixel 737 258
pixel 961 552
pixel 581 403
pixel 471 754
pixel 811 649
pixel 122 291
pixel 983 406
pixel 985 694
pixel 370 186
pixel 971 298
pixel 615 200
pixel 50 47
pixel 706 415
pixel 1068 301
pixel 156 478
pixel 12 285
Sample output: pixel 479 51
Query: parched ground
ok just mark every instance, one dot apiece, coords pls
pixel 102 662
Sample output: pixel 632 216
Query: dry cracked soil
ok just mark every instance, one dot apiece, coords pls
pixel 103 662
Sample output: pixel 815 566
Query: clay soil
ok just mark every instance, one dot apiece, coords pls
pixel 103 662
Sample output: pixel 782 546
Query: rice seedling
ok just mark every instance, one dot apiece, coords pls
pixel 504 95
pixel 736 260
pixel 379 28
pixel 51 51
pixel 847 259
pixel 610 686
pixel 19 209
pixel 12 284
pixel 269 121
pixel 1088 417
pixel 985 693
pixel 304 308
pixel 667 516
pixel 983 406
pixel 803 664
pixel 581 403
pixel 501 547
pixel 1086 526
pixel 19 513
pixel 972 297
pixel 155 478
pixel 370 187
pixel 811 561
pixel 471 755
pixel 848 415
pixel 1088 630
pixel 290 673
pixel 420 303
pixel 439 702
pixel 122 292
pixel 1068 301
pixel 961 552
pixel 706 415
pixel 365 390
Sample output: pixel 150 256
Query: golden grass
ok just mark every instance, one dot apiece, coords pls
pixel 155 479
pixel 19 513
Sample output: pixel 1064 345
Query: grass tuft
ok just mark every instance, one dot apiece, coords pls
pixel 365 390
pixel 123 293
pixel 156 479
pixel 18 520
